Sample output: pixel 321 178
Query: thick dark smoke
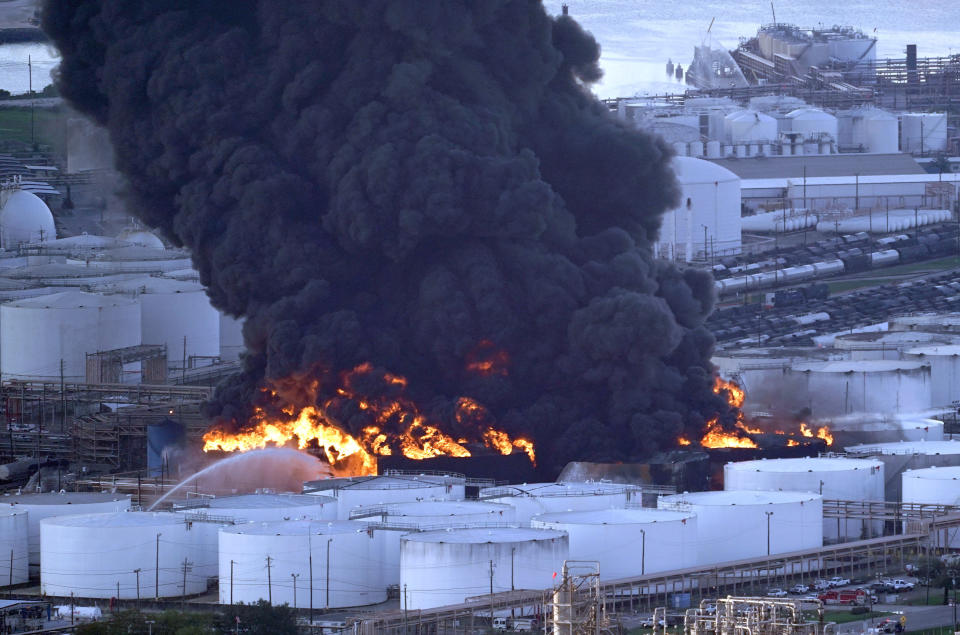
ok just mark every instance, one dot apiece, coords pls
pixel 396 182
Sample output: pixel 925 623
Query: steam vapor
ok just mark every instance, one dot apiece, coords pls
pixel 396 182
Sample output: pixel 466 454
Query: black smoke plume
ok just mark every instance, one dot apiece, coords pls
pixel 396 182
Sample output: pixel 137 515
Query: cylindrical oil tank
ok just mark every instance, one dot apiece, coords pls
pixel 944 364
pixel 696 148
pixel 761 371
pixel 447 566
pixel 680 148
pixel 13 547
pixel 832 477
pixel 844 387
pixel 873 130
pixel 178 314
pixel 736 525
pixel 886 344
pixel 713 149
pixel 747 126
pixel 427 516
pixel 628 542
pixel 533 499
pixel 811 123
pixel 936 486
pixel 216 512
pixel 53 504
pixel 860 428
pixel 270 558
pixel 923 132
pixel 907 455
pixel 359 491
pixel 37 334
pixel 103 555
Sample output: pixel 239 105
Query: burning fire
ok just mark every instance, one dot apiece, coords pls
pixel 715 436
pixel 486 359
pixel 396 425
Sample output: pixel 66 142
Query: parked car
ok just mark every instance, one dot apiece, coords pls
pixel 776 593
pixel 647 622
pixel 821 585
pixel 810 598
pixel 836 581
pixel 900 584
pixel 521 624
pixel 799 589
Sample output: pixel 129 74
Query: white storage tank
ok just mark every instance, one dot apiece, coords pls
pixel 628 542
pixel 141 237
pixel 24 219
pixel 923 132
pixel 54 504
pixel 869 129
pixel 37 333
pixel 907 455
pixel 860 428
pixel 745 126
pixel 843 387
pixel 533 499
pixel 935 486
pixel 354 570
pixel 944 364
pixel 14 567
pixel 358 491
pixel 831 477
pixel 732 525
pixel 268 507
pixel 709 210
pixel 444 567
pixel 811 123
pixel 886 344
pixel 99 555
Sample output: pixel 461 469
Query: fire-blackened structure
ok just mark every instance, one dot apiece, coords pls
pixel 427 187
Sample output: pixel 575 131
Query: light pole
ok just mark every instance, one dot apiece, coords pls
pixel 327 607
pixel 294 576
pixel 156 572
pixel 769 514
pixel 137 571
pixel 643 552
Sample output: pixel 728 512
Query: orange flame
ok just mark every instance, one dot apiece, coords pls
pixel 715 436
pixel 485 359
pixel 415 438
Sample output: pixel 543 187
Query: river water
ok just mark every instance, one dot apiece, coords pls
pixel 637 37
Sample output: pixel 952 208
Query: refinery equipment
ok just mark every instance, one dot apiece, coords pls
pixel 533 499
pixel 358 491
pixel 54 504
pixel 448 566
pixel 123 554
pixel 736 525
pixel 306 564
pixel 831 477
pixel 754 615
pixel 627 542
pixel 706 224
pixel 907 455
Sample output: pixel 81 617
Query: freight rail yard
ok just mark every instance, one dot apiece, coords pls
pixel 413 334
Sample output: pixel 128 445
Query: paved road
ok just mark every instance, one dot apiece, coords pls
pixel 918 618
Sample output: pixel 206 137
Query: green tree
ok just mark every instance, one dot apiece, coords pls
pixel 258 619
pixel 166 623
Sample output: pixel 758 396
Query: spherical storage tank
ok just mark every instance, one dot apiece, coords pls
pixel 936 486
pixel 142 238
pixel 447 566
pixel 843 387
pixel 98 555
pixel 37 333
pixel 628 542
pixel 907 455
pixel 533 499
pixel 13 547
pixel 833 478
pixel 745 126
pixel 944 364
pixel 53 504
pixel 354 569
pixel 25 219
pixel 710 198
pixel 733 525
pixel 358 491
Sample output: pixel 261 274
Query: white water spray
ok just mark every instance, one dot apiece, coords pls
pixel 280 469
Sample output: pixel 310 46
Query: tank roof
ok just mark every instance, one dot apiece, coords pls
pixel 907 447
pixel 485 535
pixel 739 497
pixel 436 508
pixel 117 519
pixel 267 501
pixel 692 170
pixel 858 366
pixel 63 498
pixel 643 516
pixel 70 300
pixel 949 473
pixel 946 350
pixel 297 528
pixel 382 482
pixel 806 464
pixel 565 488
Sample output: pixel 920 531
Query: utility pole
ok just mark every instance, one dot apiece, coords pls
pixel 769 514
pixel 491 593
pixel 294 576
pixel 404 609
pixel 269 583
pixel 137 571
pixel 310 549
pixel 156 572
pixel 187 566
pixel 11 568
pixel 643 552
pixel 327 585
pixel 33 137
